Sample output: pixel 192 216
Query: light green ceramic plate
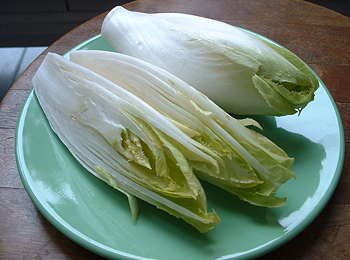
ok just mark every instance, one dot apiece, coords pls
pixel 98 217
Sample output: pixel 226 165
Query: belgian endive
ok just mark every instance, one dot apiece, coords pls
pixel 240 72
pixel 151 135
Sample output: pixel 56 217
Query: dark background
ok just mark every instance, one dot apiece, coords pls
pixel 41 22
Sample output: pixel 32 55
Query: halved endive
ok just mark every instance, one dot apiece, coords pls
pixel 240 72
pixel 150 135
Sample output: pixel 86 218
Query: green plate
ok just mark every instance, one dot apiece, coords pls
pixel 96 216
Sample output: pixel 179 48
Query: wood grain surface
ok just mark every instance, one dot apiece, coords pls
pixel 317 35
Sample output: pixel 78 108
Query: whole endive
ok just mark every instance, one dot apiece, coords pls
pixel 240 72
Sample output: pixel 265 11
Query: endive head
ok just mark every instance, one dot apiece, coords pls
pixel 240 72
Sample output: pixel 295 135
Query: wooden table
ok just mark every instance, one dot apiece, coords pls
pixel 317 35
